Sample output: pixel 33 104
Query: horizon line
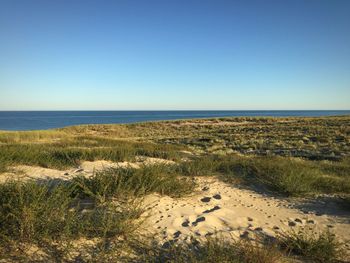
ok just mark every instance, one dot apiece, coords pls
pixel 179 110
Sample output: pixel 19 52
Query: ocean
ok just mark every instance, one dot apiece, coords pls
pixel 42 120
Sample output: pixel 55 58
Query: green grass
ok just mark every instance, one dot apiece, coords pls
pixel 287 176
pixel 33 212
pixel 213 250
pixel 124 182
pixel 54 217
pixel 71 152
pixel 303 246
pixel 321 138
pixel 320 247
pixel 54 214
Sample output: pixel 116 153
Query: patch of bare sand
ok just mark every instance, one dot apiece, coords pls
pixel 217 208
pixel 25 172
pixel 210 123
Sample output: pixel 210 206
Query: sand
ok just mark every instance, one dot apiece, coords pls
pixel 86 168
pixel 215 208
pixel 229 211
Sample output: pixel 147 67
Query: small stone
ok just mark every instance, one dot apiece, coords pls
pixel 206 188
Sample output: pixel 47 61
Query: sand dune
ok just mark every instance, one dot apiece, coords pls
pixel 86 168
pixel 228 211
pixel 215 208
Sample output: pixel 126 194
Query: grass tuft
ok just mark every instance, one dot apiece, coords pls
pixel 213 250
pixel 126 182
pixel 318 246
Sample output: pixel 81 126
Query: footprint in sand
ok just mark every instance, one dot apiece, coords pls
pixel 292 223
pixel 199 219
pixel 177 234
pixel 186 223
pixel 217 196
pixel 298 220
pixel 211 210
pixel 206 199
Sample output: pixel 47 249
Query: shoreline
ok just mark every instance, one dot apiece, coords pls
pixel 45 121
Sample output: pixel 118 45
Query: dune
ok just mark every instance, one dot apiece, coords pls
pixel 220 209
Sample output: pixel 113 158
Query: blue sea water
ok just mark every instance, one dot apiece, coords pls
pixel 41 120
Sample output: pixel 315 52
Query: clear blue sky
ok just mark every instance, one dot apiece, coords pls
pixel 134 55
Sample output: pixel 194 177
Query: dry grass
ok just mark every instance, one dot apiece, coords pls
pixel 54 218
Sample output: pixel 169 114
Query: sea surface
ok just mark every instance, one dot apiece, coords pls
pixel 42 120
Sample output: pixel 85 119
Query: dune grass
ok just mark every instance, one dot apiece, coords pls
pixel 31 212
pixel 54 217
pixel 214 250
pixel 287 176
pixel 9 137
pixel 298 246
pixel 50 213
pixel 317 246
pixel 321 138
pixel 124 182
pixel 71 152
pixel 44 216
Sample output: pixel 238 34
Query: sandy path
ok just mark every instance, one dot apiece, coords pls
pixel 231 212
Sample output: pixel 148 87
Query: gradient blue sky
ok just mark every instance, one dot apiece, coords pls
pixel 134 55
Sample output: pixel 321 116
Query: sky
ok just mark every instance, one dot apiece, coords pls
pixel 174 55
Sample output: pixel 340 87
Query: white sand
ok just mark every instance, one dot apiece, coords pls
pixel 214 208
pixel 25 172
pixel 238 213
